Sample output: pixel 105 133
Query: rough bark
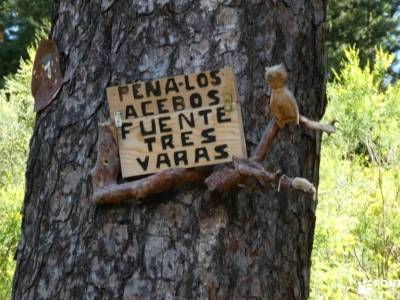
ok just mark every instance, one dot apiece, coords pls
pixel 187 243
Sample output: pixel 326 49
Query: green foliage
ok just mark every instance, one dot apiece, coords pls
pixel 364 24
pixel 357 234
pixel 10 222
pixel 366 109
pixel 19 20
pixel 16 120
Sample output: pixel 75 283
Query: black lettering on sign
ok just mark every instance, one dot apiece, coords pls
pixel 180 156
pixel 163 159
pixel 151 89
pixel 178 103
pixel 187 84
pixel 161 106
pixel 136 92
pixel 195 100
pixel 122 90
pixel 213 95
pixel 222 154
pixel 163 125
pixel 143 163
pixel 147 131
pixel 202 80
pixel 207 135
pixel 185 135
pixel 216 80
pixel 130 112
pixel 124 130
pixel 221 114
pixel 144 106
pixel 167 141
pixel 171 86
pixel 150 141
pixel 183 117
pixel 204 114
pixel 200 153
pixel 178 121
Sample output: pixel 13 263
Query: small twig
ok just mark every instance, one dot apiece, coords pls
pixel 5 256
pixel 360 264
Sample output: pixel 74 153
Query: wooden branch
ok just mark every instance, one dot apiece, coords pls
pixel 154 184
pixel 266 141
pixel 254 169
pixel 104 175
pixel 247 167
pixel 225 178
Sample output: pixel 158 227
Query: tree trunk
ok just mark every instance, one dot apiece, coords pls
pixel 188 243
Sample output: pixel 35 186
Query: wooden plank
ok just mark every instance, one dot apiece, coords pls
pixel 177 122
pixel 181 141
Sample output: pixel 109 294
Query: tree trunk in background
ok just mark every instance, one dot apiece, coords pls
pixel 189 243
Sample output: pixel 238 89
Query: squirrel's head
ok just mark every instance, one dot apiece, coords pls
pixel 276 76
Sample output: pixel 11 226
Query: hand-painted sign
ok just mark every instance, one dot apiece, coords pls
pixel 183 121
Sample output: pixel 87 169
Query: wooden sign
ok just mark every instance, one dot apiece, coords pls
pixel 183 121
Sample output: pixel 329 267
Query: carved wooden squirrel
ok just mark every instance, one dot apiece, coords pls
pixel 283 104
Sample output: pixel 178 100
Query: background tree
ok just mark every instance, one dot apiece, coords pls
pixel 357 234
pixel 19 19
pixel 364 24
pixel 189 243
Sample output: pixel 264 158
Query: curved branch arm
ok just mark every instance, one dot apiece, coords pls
pixel 154 184
pixel 226 178
pixel 266 141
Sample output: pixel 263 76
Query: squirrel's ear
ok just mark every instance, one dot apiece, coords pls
pixel 282 65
